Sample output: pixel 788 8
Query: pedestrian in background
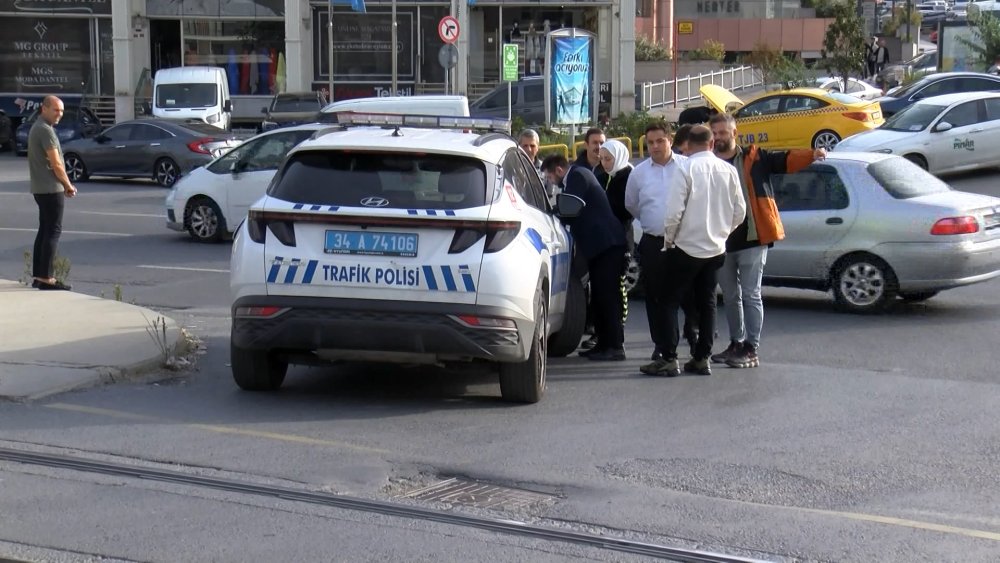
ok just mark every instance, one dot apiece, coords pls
pixel 881 56
pixel 680 139
pixel 869 62
pixel 615 171
pixel 590 155
pixel 702 211
pixel 529 141
pixel 746 248
pixel 646 195
pixel 601 240
pixel 50 186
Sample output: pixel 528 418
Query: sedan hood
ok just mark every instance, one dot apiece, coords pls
pixel 868 140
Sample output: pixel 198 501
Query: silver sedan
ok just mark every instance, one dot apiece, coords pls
pixel 872 227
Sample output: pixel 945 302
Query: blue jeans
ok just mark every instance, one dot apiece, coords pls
pixel 740 279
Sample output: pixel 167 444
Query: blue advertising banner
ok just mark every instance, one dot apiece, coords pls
pixel 572 80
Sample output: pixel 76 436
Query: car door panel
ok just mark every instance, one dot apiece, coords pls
pixel 104 157
pixel 817 212
pixel 955 148
pixel 254 171
pixel 759 123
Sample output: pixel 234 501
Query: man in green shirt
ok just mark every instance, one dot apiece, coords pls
pixel 50 186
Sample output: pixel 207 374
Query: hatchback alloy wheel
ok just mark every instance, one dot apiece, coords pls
pixel 203 220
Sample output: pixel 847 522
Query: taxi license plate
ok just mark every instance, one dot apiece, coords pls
pixel 371 244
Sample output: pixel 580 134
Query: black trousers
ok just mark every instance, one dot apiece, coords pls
pixel 697 277
pixel 50 214
pixel 606 270
pixel 654 282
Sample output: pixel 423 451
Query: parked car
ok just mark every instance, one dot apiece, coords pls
pixel 211 201
pixel 797 118
pixel 942 134
pixel 76 123
pixel 872 227
pixel 432 244
pixel 6 131
pixel 527 101
pixel 896 73
pixel 855 87
pixel 937 85
pixel 291 108
pixel 160 149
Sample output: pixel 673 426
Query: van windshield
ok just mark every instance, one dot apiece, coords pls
pixel 186 95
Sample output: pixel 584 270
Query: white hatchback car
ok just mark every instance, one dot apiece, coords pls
pixel 212 200
pixel 949 133
pixel 406 239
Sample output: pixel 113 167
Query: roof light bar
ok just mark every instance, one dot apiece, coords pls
pixel 431 121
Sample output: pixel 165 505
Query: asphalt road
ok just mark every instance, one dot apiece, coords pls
pixel 858 439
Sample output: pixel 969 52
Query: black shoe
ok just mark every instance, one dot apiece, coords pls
pixel 609 355
pixel 589 343
pixel 34 284
pixel 58 285
pixel 700 367
pixel 662 368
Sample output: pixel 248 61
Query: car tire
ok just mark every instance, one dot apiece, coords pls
pixel 256 370
pixel 918 296
pixel 166 172
pixel 825 139
pixel 863 283
pixel 204 220
pixel 564 342
pixel 917 159
pixel 76 170
pixel 524 382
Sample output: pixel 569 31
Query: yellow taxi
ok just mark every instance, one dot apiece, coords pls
pixel 796 118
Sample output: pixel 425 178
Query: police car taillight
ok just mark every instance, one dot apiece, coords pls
pixel 258 225
pixel 473 321
pixel 498 237
pixel 266 312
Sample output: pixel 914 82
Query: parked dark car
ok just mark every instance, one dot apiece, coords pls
pixel 161 149
pixel 936 85
pixel 76 123
pixel 527 101
pixel 6 131
pixel 291 108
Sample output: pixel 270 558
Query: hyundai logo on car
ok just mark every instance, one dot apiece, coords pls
pixel 374 202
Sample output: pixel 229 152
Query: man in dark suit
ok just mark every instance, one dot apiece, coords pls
pixel 599 238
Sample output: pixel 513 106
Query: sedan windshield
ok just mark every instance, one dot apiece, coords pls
pixel 295 105
pixel 914 118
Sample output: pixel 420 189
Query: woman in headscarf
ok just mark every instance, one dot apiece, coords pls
pixel 614 172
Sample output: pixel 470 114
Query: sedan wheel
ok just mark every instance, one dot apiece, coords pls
pixel 826 140
pixel 166 172
pixel 75 168
pixel 864 284
pixel 204 220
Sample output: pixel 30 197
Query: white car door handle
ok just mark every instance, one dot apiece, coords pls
pixel 980 130
pixel 154 144
pixel 119 146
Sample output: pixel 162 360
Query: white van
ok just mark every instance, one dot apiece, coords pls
pixel 451 106
pixel 193 92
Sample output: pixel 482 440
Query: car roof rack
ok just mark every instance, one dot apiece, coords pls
pixel 482 124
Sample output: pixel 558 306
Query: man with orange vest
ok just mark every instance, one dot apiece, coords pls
pixel 746 248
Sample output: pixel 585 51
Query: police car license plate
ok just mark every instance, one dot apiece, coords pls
pixel 371 244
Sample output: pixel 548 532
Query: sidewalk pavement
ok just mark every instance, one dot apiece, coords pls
pixel 55 341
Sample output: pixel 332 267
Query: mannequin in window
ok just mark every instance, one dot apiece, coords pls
pixel 532 49
pixel 515 33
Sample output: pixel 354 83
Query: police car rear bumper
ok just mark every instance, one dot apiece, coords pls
pixel 304 324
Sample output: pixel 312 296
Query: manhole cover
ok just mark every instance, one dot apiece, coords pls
pixel 479 495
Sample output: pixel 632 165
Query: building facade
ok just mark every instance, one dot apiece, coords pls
pixel 112 48
pixel 738 24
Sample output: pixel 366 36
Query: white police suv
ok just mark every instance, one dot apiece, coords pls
pixel 409 239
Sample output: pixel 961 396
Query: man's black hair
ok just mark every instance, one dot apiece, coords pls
pixel 554 161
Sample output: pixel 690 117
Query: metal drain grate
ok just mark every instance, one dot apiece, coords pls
pixel 480 495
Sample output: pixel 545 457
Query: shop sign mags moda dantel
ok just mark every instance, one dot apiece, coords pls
pixel 49 55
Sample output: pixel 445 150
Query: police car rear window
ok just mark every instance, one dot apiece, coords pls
pixel 404 181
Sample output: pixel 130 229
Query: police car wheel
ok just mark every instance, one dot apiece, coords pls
pixel 566 341
pixel 524 382
pixel 256 370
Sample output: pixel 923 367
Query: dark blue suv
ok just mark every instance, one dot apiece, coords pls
pixel 76 123
pixel 936 85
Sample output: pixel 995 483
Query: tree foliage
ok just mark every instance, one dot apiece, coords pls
pixel 777 70
pixel 648 50
pixel 985 41
pixel 844 43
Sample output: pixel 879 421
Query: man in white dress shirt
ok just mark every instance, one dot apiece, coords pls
pixel 646 199
pixel 701 213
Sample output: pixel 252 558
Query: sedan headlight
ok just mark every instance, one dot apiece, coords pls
pixel 214 118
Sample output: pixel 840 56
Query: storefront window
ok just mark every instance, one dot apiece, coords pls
pixel 46 55
pixel 252 52
pixel 216 8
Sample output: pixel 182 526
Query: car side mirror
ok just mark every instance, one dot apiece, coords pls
pixel 238 166
pixel 102 138
pixel 942 127
pixel 228 106
pixel 569 205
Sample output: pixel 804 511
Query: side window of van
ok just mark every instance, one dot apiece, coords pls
pixel 534 94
